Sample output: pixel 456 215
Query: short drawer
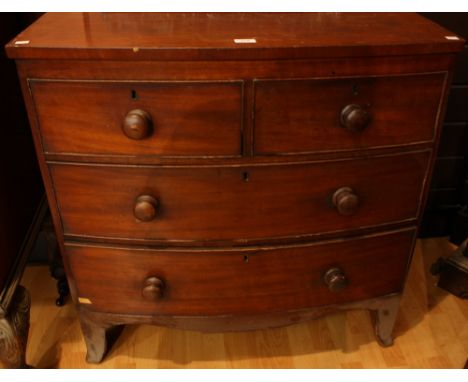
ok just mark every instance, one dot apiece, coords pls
pixel 220 282
pixel 184 204
pixel 137 118
pixel 300 116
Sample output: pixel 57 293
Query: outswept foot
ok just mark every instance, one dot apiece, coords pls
pixel 384 320
pixel 98 336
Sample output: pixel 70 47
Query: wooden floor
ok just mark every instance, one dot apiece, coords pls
pixel 431 332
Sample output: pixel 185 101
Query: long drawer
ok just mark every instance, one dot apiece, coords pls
pixel 298 116
pixel 237 203
pixel 193 119
pixel 210 282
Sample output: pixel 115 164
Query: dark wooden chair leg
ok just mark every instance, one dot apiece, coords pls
pixel 14 329
pixel 98 336
pixel 63 291
pixel 384 320
pixel 56 267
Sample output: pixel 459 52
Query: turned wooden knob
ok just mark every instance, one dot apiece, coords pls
pixel 345 201
pixel 354 118
pixel 137 124
pixel 335 279
pixel 146 208
pixel 152 289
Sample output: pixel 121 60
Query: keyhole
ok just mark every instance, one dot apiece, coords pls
pixel 246 176
pixel 355 90
pixel 134 95
pixel 246 259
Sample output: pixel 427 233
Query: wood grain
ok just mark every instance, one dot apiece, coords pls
pixel 430 332
pixel 236 203
pixel 223 69
pixel 242 281
pixel 294 116
pixel 192 36
pixel 184 115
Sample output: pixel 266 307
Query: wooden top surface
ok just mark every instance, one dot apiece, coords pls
pixel 205 36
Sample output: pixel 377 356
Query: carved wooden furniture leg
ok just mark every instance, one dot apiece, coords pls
pixel 384 320
pixel 98 336
pixel 14 330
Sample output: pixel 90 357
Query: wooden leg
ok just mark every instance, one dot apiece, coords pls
pixel 98 336
pixel 384 320
pixel 56 267
pixel 14 329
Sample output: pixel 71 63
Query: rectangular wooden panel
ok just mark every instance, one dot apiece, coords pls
pixel 237 203
pixel 188 118
pixel 299 116
pixel 216 282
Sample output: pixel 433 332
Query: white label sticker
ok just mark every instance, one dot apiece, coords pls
pixel 245 41
pixel 452 38
pixel 22 42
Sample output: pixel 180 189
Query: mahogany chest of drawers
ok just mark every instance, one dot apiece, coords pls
pixel 234 171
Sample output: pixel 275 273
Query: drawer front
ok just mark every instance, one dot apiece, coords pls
pixel 237 203
pixel 178 118
pixel 246 281
pixel 299 116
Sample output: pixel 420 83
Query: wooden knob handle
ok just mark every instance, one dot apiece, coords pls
pixel 137 124
pixel 354 118
pixel 152 289
pixel 146 208
pixel 345 201
pixel 335 280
